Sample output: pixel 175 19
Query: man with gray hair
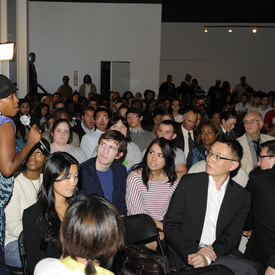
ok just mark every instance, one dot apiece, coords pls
pixel 252 139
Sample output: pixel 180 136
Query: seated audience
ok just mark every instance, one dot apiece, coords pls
pixel 175 110
pixel 41 221
pixel 41 113
pixel 91 234
pixel 208 130
pixel 104 175
pixel 269 122
pixel 228 121
pixel 24 194
pixel 152 183
pixel 61 134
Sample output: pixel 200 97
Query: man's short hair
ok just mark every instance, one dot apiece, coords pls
pixel 228 114
pixel 23 100
pixel 270 146
pixel 88 108
pixel 233 144
pixel 102 109
pixel 132 110
pixel 118 138
pixel 189 109
pixel 172 123
pixel 60 111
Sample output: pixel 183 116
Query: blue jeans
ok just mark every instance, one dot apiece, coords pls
pixel 12 256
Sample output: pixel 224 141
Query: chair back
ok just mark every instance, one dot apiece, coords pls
pixel 22 254
pixel 141 228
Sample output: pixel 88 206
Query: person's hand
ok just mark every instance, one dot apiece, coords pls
pixel 197 260
pixel 209 252
pixel 34 135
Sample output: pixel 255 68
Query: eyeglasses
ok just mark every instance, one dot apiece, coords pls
pixel 217 157
pixel 133 116
pixel 260 157
pixel 251 121
pixel 175 105
pixel 101 117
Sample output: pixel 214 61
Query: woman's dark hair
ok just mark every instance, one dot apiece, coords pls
pixel 58 163
pixel 92 229
pixel 114 120
pixel 168 151
pixel 57 122
pixel 38 111
pixel 87 75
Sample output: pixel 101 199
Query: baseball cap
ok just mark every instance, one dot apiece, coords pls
pixel 65 77
pixel 6 86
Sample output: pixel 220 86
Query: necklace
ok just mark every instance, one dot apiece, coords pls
pixel 31 181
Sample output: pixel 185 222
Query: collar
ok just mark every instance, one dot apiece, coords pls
pixel 249 139
pixel 134 130
pixel 86 130
pixel 185 132
pixel 224 131
pixel 224 185
pixel 73 265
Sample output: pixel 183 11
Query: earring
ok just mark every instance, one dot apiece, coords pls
pixel 0 113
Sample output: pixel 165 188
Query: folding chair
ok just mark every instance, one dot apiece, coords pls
pixel 141 228
pixel 22 254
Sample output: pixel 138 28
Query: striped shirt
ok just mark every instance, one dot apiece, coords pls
pixel 153 202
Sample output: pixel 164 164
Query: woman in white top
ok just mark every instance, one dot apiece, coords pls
pixel 61 135
pixel 91 234
pixel 176 106
pixel 24 194
pixel 152 183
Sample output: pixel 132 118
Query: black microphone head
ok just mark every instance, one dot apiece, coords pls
pixel 25 120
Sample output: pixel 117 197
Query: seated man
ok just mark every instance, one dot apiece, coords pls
pixel 207 212
pixel 104 175
pixel 139 136
pixel 261 186
pixel 167 129
pixel 87 124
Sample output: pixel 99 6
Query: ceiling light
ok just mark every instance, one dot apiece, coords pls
pixel 205 29
pixel 230 30
pixel 254 30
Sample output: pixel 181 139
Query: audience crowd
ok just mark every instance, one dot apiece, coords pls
pixel 180 156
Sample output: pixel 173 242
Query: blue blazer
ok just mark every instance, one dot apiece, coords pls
pixel 91 183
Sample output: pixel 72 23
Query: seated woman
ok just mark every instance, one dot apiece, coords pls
pixel 91 234
pixel 61 135
pixel 24 194
pixel 208 130
pixel 41 221
pixel 152 183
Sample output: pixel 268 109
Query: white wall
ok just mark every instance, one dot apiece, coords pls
pixel 228 55
pixel 68 37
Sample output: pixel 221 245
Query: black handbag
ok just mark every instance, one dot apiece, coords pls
pixel 135 260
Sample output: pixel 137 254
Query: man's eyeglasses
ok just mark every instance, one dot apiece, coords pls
pixel 101 117
pixel 260 157
pixel 133 116
pixel 251 121
pixel 217 157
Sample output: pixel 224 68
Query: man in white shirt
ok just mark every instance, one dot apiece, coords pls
pixel 90 140
pixel 186 135
pixel 207 212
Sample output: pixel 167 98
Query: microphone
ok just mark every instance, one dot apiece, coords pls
pixel 26 122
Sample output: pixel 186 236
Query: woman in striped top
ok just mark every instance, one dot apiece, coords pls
pixel 152 182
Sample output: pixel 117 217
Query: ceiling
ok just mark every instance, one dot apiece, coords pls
pixel 236 11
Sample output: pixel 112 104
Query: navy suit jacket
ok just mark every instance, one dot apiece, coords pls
pixel 91 183
pixel 184 220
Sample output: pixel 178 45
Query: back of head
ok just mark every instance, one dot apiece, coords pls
pixel 233 144
pixel 270 146
pixel 92 229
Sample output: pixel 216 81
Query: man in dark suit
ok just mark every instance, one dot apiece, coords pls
pixel 207 212
pixel 87 124
pixel 186 135
pixel 166 88
pixel 32 75
pixel 262 189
